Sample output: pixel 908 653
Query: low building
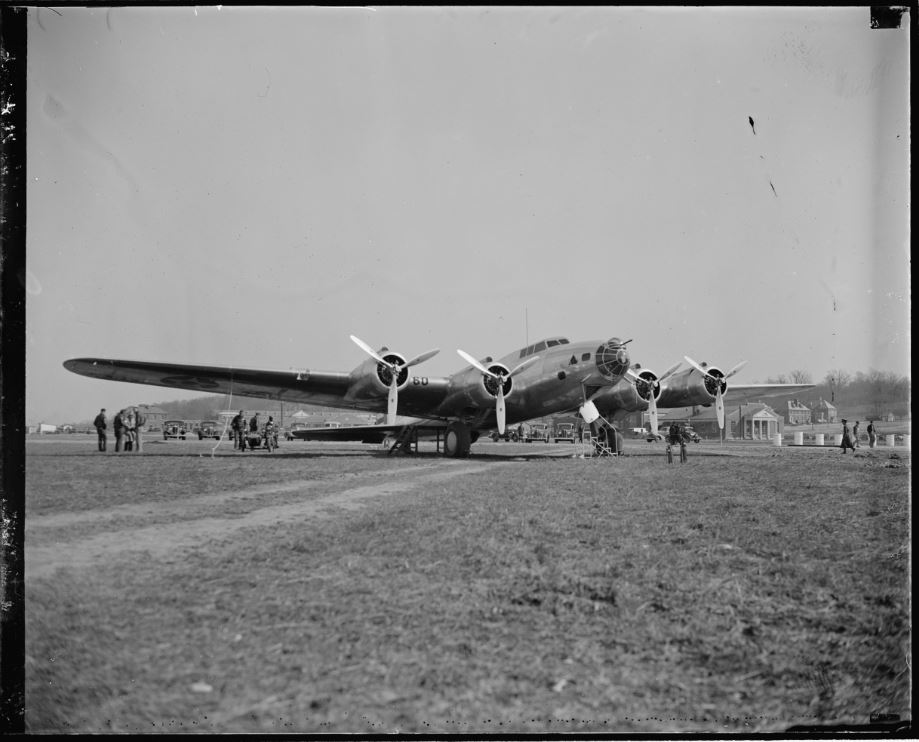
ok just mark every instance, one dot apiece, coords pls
pixel 797 413
pixel 824 412
pixel 750 421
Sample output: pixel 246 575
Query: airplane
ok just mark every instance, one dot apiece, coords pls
pixel 594 378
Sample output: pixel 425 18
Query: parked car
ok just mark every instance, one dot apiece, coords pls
pixel 564 432
pixel 174 429
pixel 537 432
pixel 209 429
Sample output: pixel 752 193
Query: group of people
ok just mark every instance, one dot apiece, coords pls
pixel 850 437
pixel 128 425
pixel 242 429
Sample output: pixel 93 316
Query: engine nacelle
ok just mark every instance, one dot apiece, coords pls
pixel 688 388
pixel 371 379
pixel 479 390
pixel 630 397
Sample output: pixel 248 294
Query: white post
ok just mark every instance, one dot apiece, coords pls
pixel 777 439
pixel 818 439
pixel 838 439
pixel 799 438
pixel 891 441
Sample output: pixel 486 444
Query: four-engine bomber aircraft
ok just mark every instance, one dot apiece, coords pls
pixel 548 377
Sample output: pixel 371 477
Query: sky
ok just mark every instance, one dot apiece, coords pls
pixel 248 186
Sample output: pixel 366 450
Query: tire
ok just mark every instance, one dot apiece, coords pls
pixel 457 441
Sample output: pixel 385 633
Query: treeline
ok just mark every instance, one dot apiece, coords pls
pixel 875 392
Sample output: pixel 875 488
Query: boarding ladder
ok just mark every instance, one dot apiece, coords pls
pixel 407 437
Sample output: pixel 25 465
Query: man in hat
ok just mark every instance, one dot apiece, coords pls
pixel 846 437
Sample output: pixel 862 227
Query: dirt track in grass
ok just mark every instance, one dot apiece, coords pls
pixel 160 540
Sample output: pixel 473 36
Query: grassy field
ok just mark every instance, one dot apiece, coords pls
pixel 331 589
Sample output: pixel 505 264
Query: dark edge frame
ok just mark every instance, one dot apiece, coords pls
pixel 13 47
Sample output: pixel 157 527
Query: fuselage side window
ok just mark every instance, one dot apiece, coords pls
pixel 553 343
pixel 585 357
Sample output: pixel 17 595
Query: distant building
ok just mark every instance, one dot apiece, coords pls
pixel 797 413
pixel 757 421
pixel 824 412
pixel 156 416
pixel 751 421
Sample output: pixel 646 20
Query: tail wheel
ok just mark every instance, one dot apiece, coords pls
pixel 457 441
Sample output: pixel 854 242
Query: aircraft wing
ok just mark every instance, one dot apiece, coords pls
pixel 324 388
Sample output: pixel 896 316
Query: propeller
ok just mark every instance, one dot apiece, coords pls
pixel 652 400
pixel 719 399
pixel 395 369
pixel 500 409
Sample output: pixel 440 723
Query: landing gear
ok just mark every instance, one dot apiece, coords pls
pixel 457 440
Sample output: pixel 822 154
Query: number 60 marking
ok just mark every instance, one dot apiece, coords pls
pixel 420 380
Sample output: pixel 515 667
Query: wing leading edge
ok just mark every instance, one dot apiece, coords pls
pixel 306 387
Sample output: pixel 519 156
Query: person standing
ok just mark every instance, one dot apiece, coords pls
pixel 872 435
pixel 846 437
pixel 855 435
pixel 139 421
pixel 129 430
pixel 101 425
pixel 241 428
pixel 118 425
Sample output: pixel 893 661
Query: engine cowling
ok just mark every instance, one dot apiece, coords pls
pixel 689 387
pixel 630 397
pixel 371 379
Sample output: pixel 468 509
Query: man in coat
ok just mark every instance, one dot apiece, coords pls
pixel 139 421
pixel 101 426
pixel 118 425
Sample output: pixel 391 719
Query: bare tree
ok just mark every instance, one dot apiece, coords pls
pixel 837 380
pixel 798 376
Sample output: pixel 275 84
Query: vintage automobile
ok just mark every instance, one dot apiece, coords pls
pixel 209 429
pixel 174 429
pixel 511 433
pixel 564 432
pixel 537 432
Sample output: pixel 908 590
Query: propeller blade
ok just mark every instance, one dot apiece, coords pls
pixel 473 362
pixel 368 350
pixel 652 413
pixel 393 401
pixel 669 371
pixel 735 369
pixel 500 409
pixel 527 363
pixel 719 408
pixel 422 358
pixel 697 367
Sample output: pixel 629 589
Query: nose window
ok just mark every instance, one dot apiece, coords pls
pixel 612 358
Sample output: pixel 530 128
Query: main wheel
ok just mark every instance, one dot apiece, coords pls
pixel 457 441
